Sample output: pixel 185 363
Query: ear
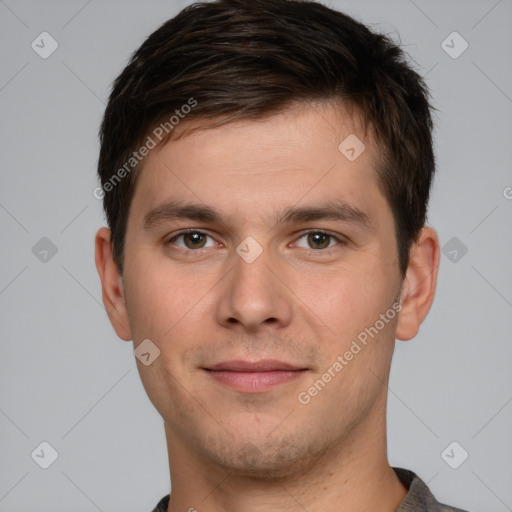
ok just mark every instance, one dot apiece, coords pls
pixel 419 285
pixel 112 285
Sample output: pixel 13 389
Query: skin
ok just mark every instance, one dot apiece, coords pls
pixel 302 301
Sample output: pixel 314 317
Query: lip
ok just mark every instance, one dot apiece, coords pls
pixel 265 365
pixel 254 376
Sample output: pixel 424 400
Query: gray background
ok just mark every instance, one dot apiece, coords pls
pixel 65 377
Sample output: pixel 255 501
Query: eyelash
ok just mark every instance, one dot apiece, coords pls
pixel 338 238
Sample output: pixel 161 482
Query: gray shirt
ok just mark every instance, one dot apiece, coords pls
pixel 418 499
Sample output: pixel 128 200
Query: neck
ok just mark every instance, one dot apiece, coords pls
pixel 353 475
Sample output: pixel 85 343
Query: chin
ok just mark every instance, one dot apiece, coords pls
pixel 280 459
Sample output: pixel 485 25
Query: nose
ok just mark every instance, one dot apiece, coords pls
pixel 254 296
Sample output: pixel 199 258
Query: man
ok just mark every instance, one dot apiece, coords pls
pixel 265 169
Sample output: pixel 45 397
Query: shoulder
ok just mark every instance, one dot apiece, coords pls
pixel 419 497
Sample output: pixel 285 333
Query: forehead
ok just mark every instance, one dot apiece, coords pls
pixel 309 153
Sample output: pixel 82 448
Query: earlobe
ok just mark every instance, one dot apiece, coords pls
pixel 419 285
pixel 112 285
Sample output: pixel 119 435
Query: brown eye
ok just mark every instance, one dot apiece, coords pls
pixel 194 240
pixel 318 240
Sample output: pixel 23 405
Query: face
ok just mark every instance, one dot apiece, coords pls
pixel 262 263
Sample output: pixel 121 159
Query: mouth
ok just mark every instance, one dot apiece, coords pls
pixel 254 377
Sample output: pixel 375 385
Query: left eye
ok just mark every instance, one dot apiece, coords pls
pixel 318 240
pixel 192 240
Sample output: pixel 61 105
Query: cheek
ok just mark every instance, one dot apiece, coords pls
pixel 160 296
pixel 345 300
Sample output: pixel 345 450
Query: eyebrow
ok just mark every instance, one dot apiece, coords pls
pixel 334 210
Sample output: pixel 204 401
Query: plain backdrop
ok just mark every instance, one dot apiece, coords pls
pixel 68 381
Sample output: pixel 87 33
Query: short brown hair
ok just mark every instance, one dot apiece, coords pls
pixel 250 59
